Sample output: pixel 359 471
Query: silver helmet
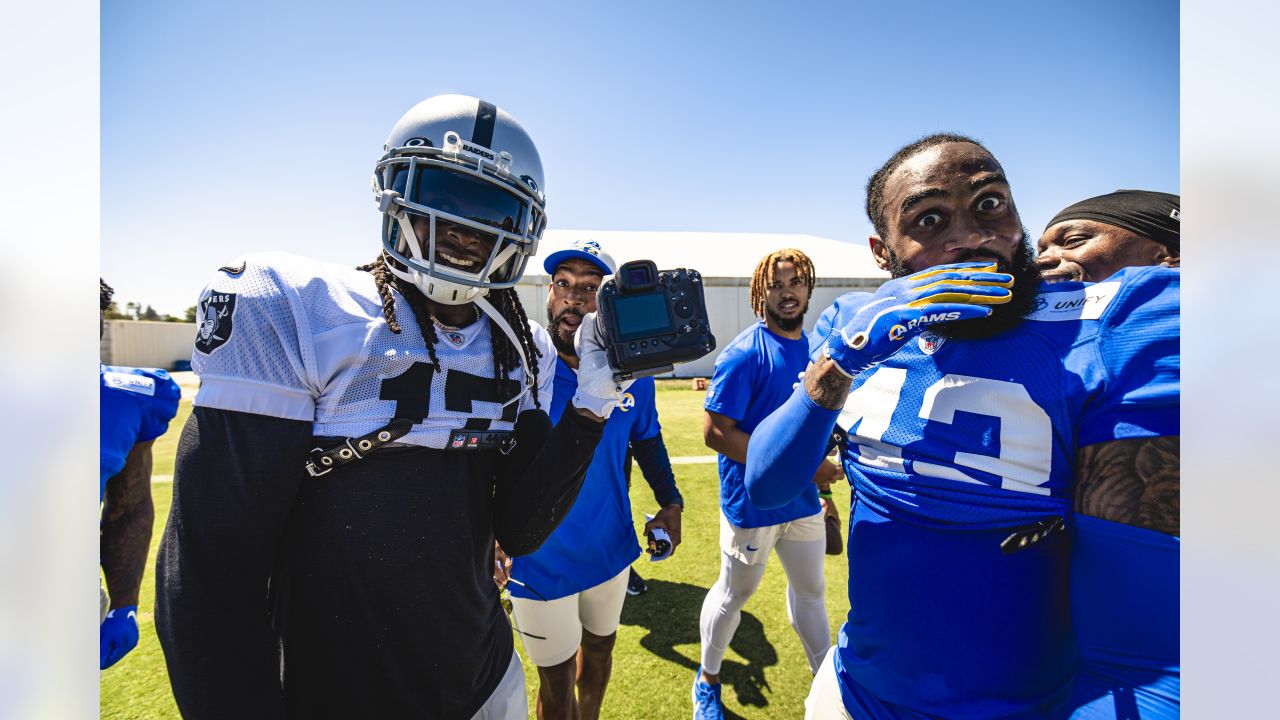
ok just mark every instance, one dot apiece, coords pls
pixel 460 188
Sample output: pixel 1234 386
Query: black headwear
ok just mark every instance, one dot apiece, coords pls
pixel 1149 214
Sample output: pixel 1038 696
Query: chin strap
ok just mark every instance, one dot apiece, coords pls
pixel 501 322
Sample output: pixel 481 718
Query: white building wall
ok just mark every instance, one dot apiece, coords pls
pixel 159 344
pixel 728 307
pixel 725 259
pixel 141 343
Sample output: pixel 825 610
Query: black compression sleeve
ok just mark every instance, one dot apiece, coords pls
pixel 538 481
pixel 651 456
pixel 236 479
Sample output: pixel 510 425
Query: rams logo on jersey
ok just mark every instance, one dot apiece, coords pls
pixel 627 402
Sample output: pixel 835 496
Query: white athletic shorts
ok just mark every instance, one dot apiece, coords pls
pixel 753 545
pixel 552 630
pixel 507 701
pixel 824 701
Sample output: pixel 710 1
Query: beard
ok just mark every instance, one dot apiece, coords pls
pixel 787 324
pixel 1026 283
pixel 563 346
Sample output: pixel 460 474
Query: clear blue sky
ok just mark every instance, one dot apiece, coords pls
pixel 243 126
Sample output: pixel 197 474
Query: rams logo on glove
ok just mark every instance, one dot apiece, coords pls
pixel 905 306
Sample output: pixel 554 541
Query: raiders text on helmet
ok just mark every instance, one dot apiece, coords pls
pixel 460 187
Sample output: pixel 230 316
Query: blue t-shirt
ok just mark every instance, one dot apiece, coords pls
pixel 754 375
pixel 597 539
pixel 954 443
pixel 136 405
pixel 1124 609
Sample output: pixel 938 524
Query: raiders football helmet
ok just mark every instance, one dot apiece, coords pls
pixel 460 188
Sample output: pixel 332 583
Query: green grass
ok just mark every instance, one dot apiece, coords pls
pixel 166 446
pixel 764 674
pixel 138 686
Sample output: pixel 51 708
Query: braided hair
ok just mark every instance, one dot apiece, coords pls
pixel 506 359
pixel 768 268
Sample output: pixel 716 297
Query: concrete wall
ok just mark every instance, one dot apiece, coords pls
pixel 141 343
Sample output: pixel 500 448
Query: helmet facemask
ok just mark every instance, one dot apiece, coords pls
pixel 479 199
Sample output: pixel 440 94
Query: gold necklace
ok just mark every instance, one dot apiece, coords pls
pixel 451 328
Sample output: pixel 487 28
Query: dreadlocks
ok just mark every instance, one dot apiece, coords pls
pixel 768 267
pixel 105 292
pixel 506 302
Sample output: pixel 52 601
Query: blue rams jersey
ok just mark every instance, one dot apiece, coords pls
pixel 954 443
pixel 754 375
pixel 597 539
pixel 136 405
pixel 1125 613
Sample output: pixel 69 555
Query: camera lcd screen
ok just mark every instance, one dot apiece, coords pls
pixel 640 315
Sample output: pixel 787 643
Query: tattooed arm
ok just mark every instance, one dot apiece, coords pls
pixel 787 446
pixel 826 385
pixel 127 517
pixel 1135 482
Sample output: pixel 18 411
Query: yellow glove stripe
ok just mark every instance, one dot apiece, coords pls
pixel 960 298
pixel 930 273
pixel 987 283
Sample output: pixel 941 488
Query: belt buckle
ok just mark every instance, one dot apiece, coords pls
pixel 314 469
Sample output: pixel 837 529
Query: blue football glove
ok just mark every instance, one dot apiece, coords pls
pixel 905 306
pixel 117 635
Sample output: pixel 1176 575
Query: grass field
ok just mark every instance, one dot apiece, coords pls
pixel 764 674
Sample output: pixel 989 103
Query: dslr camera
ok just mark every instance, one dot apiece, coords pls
pixel 651 319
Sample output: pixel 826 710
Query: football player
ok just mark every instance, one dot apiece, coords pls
pixel 976 405
pixel 359 439
pixel 1094 239
pixel 567 597
pixel 753 376
pixel 1124 554
pixel 136 406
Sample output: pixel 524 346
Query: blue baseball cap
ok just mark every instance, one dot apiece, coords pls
pixel 588 250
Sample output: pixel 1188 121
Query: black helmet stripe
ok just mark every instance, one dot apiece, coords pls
pixel 486 118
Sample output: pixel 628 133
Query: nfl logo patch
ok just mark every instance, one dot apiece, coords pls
pixel 455 338
pixel 929 342
pixel 457 442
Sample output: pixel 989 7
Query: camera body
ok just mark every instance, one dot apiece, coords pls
pixel 649 320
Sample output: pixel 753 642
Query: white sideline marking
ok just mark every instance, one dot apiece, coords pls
pixel 694 459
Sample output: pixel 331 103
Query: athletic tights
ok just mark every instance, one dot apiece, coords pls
pixel 806 608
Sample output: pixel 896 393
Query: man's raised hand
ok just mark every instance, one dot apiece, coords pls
pixel 905 306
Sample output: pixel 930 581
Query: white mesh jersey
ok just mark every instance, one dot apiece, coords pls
pixel 299 339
